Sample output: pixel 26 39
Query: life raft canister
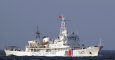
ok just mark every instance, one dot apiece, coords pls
pixel 70 52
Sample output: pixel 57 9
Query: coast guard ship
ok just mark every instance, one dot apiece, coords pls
pixel 66 45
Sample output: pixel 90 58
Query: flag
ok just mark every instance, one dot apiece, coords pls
pixel 61 17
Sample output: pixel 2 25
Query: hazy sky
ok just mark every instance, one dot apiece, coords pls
pixel 91 19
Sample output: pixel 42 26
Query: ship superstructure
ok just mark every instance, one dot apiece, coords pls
pixel 67 44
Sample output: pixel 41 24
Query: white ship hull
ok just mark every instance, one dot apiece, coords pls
pixel 90 51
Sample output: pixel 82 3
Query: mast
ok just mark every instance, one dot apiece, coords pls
pixel 100 42
pixel 37 34
pixel 63 28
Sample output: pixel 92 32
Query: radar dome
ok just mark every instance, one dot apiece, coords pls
pixel 46 39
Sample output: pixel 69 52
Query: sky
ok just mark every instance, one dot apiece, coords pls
pixel 92 20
